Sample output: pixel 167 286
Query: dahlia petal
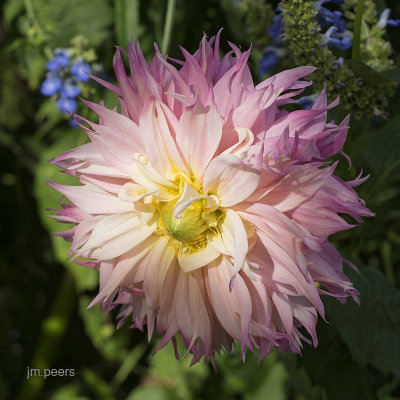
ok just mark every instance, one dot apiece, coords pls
pixel 300 184
pixel 132 192
pixel 106 268
pixel 85 152
pixel 128 92
pixel 144 174
pixel 288 78
pixel 233 309
pixel 115 235
pixel 282 305
pixel 83 232
pixel 93 199
pixel 122 268
pixel 198 136
pixel 189 196
pixel 190 262
pixel 245 140
pixel 158 261
pixel 225 169
pixel 245 115
pixel 123 125
pixel 113 148
pixel 201 324
pixel 233 227
pixel 160 147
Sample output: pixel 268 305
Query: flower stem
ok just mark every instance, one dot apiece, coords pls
pixel 386 253
pixel 169 24
pixel 355 55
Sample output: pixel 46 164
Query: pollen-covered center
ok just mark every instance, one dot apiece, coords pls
pixel 189 228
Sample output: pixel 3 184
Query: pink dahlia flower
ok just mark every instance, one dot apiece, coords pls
pixel 206 207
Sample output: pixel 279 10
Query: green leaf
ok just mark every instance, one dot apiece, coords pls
pixel 391 74
pixel 181 379
pixel 332 367
pixel 68 392
pixel 369 75
pixel 98 385
pixel 378 150
pixel 127 21
pixel 271 386
pixel 48 198
pixel 11 10
pixel 150 393
pixel 66 19
pixel 102 331
pixel 371 330
pixel 253 379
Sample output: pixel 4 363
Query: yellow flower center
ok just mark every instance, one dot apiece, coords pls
pixel 189 233
pixel 190 227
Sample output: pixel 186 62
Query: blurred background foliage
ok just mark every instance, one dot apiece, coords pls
pixel 43 297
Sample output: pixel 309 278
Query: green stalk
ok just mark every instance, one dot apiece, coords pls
pixel 355 55
pixel 168 26
pixel 52 330
pixel 386 253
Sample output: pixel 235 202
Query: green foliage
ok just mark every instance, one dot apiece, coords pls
pixel 303 37
pixel 392 74
pixel 62 20
pixel 357 325
pixel 127 21
pixel 333 368
pixel 102 332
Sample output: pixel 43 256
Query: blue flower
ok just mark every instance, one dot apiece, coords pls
pixel 385 21
pixel 66 105
pixel 80 70
pixel 342 44
pixel 51 85
pixel 338 63
pixel 339 84
pixel 60 61
pixel 72 122
pixel 268 62
pixel 327 18
pixel 69 89
pixel 277 27
pixel 340 41
pixel 307 101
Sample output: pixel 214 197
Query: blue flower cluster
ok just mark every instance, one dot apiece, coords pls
pixel 63 77
pixel 272 53
pixel 332 24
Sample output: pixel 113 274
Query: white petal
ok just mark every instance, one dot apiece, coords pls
pixel 190 262
pixel 189 196
pixel 245 140
pixel 116 234
pixel 133 192
pixel 234 224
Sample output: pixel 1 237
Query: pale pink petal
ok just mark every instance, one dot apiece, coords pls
pixel 190 262
pixel 116 234
pixel 198 137
pixel 230 179
pixel 93 199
